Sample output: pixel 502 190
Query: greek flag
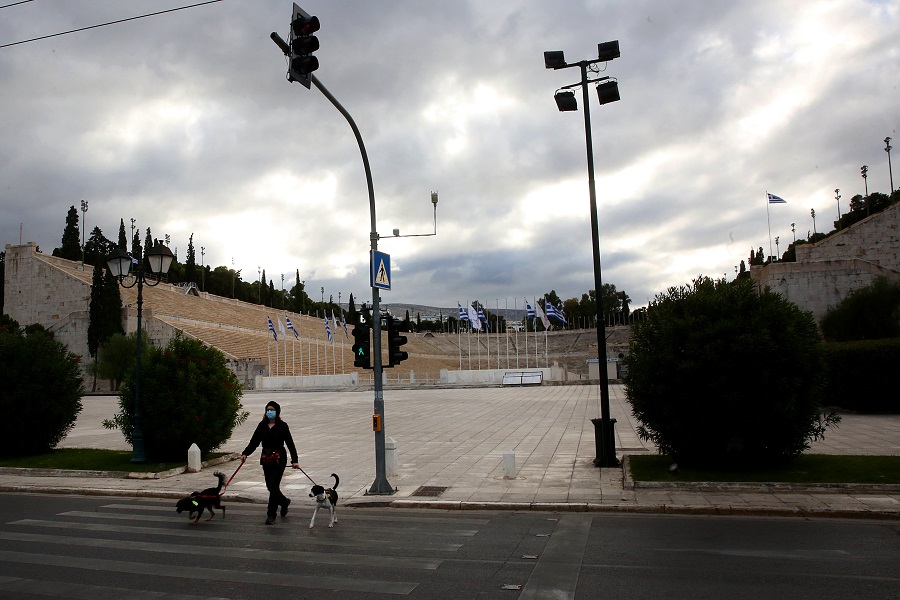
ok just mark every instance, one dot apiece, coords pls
pixel 529 312
pixel 773 199
pixel 291 326
pixel 328 330
pixel 482 318
pixel 463 315
pixel 554 312
pixel 272 329
pixel 344 323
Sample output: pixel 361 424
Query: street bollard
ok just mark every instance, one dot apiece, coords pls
pixel 390 457
pixel 509 464
pixel 194 465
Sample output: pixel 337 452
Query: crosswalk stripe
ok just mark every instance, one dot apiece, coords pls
pixel 245 553
pixel 80 591
pixel 243 536
pixel 206 574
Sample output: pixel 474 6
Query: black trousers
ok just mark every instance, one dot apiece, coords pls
pixel 273 475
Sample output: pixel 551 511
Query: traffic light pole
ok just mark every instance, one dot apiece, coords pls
pixel 381 486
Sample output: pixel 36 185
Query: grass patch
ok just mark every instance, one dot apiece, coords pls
pixel 807 468
pixel 91 459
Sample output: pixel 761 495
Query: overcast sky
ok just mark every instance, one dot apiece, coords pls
pixel 186 123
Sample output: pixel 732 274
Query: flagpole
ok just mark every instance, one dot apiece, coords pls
pixel 769 223
pixel 526 332
pixel 516 311
pixel 506 328
pixel 469 337
pixel 537 363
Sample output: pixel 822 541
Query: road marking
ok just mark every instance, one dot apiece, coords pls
pixel 80 591
pixel 293 580
pixel 555 576
pixel 395 562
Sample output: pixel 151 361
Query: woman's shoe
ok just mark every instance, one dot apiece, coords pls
pixel 284 507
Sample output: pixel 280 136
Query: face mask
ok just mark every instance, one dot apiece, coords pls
pixel 270 414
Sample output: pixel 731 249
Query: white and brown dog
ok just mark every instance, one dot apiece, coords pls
pixel 325 498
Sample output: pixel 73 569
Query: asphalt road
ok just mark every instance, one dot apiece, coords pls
pixel 97 548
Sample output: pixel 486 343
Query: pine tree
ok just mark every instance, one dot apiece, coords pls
pixel 70 247
pixel 97 247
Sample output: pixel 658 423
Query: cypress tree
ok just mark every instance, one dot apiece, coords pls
pixel 190 266
pixel 70 247
pixel 123 239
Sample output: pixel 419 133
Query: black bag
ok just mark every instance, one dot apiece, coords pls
pixel 270 457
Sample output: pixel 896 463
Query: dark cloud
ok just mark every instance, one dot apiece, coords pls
pixel 185 123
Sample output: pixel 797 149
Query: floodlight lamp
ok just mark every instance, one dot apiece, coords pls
pixel 565 101
pixel 608 91
pixel 554 59
pixel 434 198
pixel 608 50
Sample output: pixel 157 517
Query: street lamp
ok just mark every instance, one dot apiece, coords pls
pixel 887 148
pixel 864 171
pixel 607 91
pixel 837 196
pixel 159 259
pixel 84 207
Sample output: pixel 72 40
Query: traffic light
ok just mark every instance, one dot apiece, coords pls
pixel 303 43
pixel 395 342
pixel 362 354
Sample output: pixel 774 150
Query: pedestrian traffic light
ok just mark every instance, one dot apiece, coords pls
pixel 395 342
pixel 303 43
pixel 362 354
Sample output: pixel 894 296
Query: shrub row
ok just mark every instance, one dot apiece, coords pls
pixel 863 375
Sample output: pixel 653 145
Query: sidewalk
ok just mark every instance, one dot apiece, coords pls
pixel 450 448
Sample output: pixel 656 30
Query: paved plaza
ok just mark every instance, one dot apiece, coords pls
pixel 455 438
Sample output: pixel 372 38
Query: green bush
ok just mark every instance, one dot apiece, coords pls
pixel 869 313
pixel 40 390
pixel 863 375
pixel 720 375
pixel 188 396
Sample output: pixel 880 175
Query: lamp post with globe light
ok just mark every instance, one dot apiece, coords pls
pixel 120 263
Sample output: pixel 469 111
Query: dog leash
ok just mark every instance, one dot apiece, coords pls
pixel 232 477
pixel 307 476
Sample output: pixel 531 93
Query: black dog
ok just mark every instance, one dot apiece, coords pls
pixel 197 502
pixel 325 498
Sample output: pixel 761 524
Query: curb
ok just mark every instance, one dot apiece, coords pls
pixel 669 509
pixel 768 487
pixel 33 472
pixel 448 505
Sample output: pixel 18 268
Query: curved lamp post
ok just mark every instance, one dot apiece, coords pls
pixel 159 259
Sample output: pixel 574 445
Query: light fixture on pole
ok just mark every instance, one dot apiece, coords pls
pixel 434 202
pixel 119 262
pixel 887 148
pixel 84 207
pixel 607 91
pixel 864 171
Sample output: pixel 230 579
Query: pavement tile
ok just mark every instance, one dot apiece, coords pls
pixel 458 437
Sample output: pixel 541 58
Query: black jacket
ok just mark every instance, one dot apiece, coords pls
pixel 274 438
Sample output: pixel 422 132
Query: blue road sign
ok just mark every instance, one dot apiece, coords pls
pixel 380 270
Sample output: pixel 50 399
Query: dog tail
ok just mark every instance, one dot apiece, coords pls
pixel 337 480
pixel 221 477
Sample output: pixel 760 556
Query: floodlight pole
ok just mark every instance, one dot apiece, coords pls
pixel 381 486
pixel 606 456
pixel 604 427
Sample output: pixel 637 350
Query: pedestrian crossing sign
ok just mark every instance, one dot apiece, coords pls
pixel 380 272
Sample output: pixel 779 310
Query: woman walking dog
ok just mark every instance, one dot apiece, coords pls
pixel 273 434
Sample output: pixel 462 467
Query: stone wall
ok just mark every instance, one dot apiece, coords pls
pixel 826 272
pixel 36 291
